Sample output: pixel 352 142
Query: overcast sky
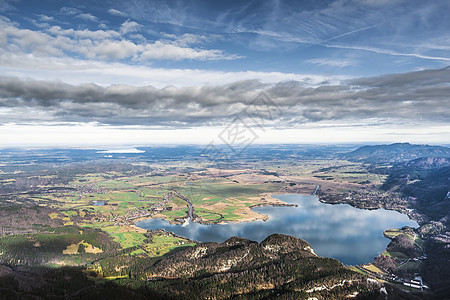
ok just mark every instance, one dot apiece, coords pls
pixel 77 73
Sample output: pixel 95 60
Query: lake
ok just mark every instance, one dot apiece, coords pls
pixel 352 235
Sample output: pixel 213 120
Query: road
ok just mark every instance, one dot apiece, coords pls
pixel 315 191
pixel 190 205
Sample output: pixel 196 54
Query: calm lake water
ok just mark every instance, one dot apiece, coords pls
pixel 352 235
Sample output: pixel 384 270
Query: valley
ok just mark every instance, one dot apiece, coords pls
pixel 83 215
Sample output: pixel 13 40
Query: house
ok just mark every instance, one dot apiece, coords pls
pixel 413 283
pixel 416 283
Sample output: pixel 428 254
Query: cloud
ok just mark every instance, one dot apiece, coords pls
pixel 371 3
pixel 155 11
pixel 388 52
pixel 76 71
pixel 84 34
pixel 28 40
pixel 69 11
pixel 414 80
pixel 6 5
pixel 116 50
pixel 332 62
pixel 116 12
pixel 46 18
pixel 415 96
pixel 87 17
pixel 129 26
pixel 379 26
pixel 102 44
pixel 191 39
pixel 161 50
pixel 439 43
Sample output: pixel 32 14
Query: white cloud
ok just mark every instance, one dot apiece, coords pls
pixel 87 17
pixel 85 33
pixel 438 43
pixel 332 62
pixel 129 26
pixel 111 50
pixel 69 11
pixel 100 44
pixel 76 71
pixel 190 39
pixel 160 50
pixel 116 12
pixel 27 40
pixel 46 18
pixel 379 3
pixel 388 52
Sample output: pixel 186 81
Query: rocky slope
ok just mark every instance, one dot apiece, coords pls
pixel 282 267
pixel 279 265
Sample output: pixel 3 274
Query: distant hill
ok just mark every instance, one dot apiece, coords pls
pixel 426 163
pixel 395 153
pixel 431 191
pixel 428 180
pixel 408 172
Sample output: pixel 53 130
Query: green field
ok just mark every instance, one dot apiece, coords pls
pixel 128 196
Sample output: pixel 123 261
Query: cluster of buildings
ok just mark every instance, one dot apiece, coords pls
pixel 142 213
pixel 89 189
pixel 416 283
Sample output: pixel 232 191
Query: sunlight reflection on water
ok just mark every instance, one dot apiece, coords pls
pixel 352 235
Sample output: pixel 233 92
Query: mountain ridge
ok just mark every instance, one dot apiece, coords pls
pixel 280 266
pixel 395 153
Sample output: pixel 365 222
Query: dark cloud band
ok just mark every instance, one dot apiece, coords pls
pixel 421 95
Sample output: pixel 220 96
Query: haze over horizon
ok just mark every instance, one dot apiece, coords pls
pixel 91 73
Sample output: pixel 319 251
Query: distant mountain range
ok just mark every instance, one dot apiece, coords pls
pixel 395 153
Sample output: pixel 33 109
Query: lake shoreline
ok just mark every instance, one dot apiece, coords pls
pixel 331 229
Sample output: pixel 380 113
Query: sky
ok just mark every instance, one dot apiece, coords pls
pixel 109 73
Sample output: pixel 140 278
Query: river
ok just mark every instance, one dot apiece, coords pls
pixel 352 235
